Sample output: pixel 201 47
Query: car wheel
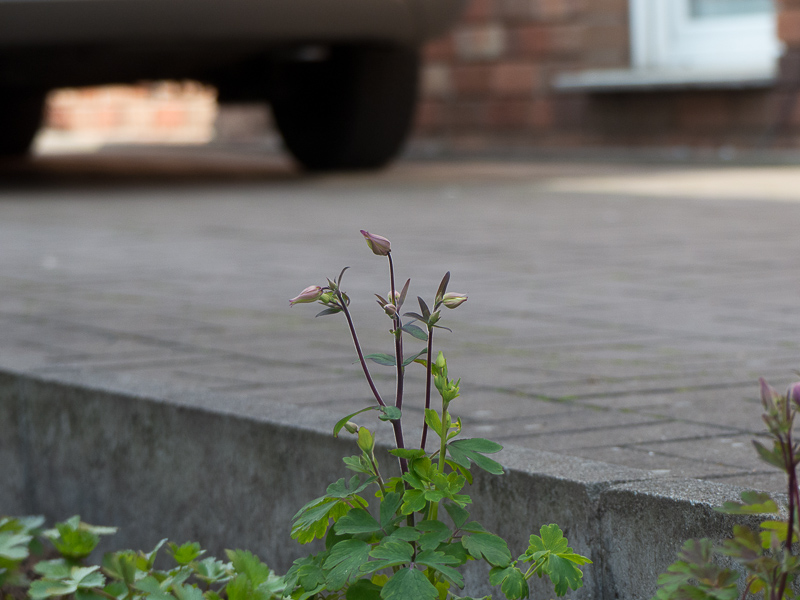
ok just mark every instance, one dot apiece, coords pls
pixel 20 118
pixel 348 109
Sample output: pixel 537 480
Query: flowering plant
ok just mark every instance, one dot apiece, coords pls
pixel 767 557
pixel 407 549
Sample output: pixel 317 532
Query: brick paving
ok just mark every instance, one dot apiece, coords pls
pixel 611 315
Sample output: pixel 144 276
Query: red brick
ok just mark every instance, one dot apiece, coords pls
pixel 530 40
pixel 567 39
pixel 429 116
pixel 789 26
pixel 515 79
pixel 472 80
pixel 703 111
pixel 483 42
pixel 440 49
pixel 540 113
pixel 508 114
pixel 478 11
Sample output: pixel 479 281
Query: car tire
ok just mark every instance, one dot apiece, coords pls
pixel 20 118
pixel 350 109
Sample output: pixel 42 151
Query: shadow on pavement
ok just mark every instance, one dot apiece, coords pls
pixel 136 167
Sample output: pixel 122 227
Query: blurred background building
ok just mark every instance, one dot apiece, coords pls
pixel 534 73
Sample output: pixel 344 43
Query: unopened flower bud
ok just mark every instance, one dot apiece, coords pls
pixel 378 244
pixel 793 393
pixel 453 299
pixel 394 299
pixel 390 309
pixel 351 427
pixel 311 294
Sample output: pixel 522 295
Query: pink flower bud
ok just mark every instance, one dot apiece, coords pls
pixel 453 299
pixel 311 294
pixel 390 309
pixel 378 244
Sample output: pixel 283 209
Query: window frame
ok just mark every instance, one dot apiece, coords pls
pixel 665 36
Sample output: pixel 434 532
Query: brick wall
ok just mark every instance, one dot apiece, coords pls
pixel 491 81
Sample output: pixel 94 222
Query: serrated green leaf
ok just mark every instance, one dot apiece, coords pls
pixel 357 520
pixel 248 564
pixel 512 582
pixel 210 570
pixel 434 421
pixel 413 501
pixel 363 589
pixel 462 452
pixel 47 588
pixel 489 547
pixel 457 513
pixel 14 546
pixel 441 562
pixel 187 592
pixel 53 569
pixel 387 360
pixel 390 504
pixel 344 561
pixel 389 553
pixel 409 584
pixel 433 533
pixel 185 553
pixel 415 332
pixel 564 574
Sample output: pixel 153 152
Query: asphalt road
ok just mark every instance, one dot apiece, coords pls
pixel 618 312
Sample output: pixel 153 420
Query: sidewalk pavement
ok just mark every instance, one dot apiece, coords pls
pixel 619 313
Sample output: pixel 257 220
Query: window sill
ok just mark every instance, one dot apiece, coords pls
pixel 642 80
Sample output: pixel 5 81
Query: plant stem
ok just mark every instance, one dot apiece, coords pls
pixel 427 386
pixel 356 343
pixel 398 355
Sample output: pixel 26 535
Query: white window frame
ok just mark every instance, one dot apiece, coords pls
pixel 665 36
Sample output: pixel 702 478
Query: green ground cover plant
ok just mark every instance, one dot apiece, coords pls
pixel 409 543
pixel 767 558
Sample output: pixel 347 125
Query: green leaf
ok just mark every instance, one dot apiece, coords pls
pixel 14 546
pixel 491 548
pixel 344 561
pixel 753 503
pixel 512 582
pixel 433 533
pixel 457 513
pixel 551 553
pixel 248 564
pixel 408 584
pixel 185 553
pixel 442 288
pixel 389 553
pixel 772 457
pixel 387 360
pixel 328 311
pixel 363 589
pixel 357 520
pixel 341 422
pixel 210 570
pixel 47 588
pixel 415 331
pixel 390 413
pixel 434 422
pixel 53 569
pixel 464 451
pixel 414 357
pixel 187 592
pixel 441 562
pixel 408 453
pixel 426 312
pixel 389 506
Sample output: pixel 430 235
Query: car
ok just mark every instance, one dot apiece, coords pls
pixel 341 75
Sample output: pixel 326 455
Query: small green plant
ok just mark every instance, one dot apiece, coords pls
pixel 767 558
pixel 124 575
pixel 405 549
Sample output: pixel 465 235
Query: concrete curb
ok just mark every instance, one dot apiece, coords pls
pixel 231 473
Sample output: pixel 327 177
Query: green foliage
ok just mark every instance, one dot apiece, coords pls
pixel 768 564
pixel 128 575
pixel 401 549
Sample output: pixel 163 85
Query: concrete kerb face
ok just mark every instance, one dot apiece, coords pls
pixel 234 476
